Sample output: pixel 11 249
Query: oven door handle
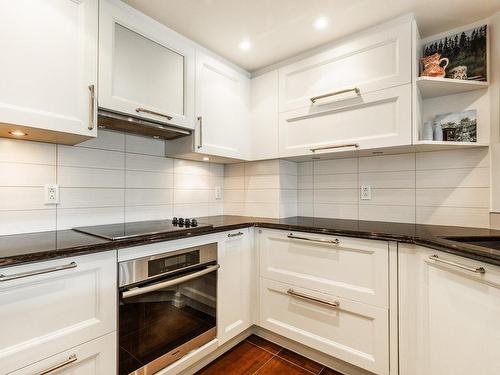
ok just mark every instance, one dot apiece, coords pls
pixel 165 284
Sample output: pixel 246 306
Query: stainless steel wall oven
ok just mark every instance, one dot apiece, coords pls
pixel 167 307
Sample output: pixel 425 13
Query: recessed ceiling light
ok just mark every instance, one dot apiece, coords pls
pixel 321 23
pixel 245 45
pixel 18 133
pixel 206 159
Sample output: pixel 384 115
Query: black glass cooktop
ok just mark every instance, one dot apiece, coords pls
pixel 136 229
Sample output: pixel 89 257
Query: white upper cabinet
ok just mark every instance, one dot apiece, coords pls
pixel 375 61
pixel 222 109
pixel 49 65
pixel 264 130
pixel 449 309
pixel 145 69
pixel 373 120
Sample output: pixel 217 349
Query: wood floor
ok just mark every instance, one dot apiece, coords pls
pixel 256 355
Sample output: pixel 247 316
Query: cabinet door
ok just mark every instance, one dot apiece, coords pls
pixel 234 284
pixel 377 119
pixel 145 69
pixel 264 128
pixel 374 61
pixel 61 304
pixel 222 109
pixel 448 315
pixel 351 331
pixel 96 357
pixel 352 268
pixel 49 66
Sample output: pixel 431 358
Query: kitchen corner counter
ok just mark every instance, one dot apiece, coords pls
pixel 35 247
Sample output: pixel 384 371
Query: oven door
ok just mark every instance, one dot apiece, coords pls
pixel 163 320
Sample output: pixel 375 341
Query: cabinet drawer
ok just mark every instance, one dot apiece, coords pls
pixel 47 313
pixel 373 120
pixel 375 61
pixel 97 357
pixel 354 332
pixel 354 268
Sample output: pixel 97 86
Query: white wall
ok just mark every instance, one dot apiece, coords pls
pixel 111 179
pixel 443 187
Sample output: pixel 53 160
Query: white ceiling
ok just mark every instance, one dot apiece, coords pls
pixel 279 29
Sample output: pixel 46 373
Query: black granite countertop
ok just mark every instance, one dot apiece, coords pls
pixel 35 247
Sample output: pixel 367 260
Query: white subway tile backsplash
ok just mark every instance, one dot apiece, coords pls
pixel 305 182
pixel 90 177
pixel 305 209
pixel 68 218
pixel 336 211
pixel 335 166
pixel 234 182
pixel 266 167
pixel 398 180
pixel 191 209
pixel 262 196
pixel 145 197
pixel 453 178
pixel 341 196
pixel 405 214
pixel 454 197
pixel 106 140
pixel 387 163
pixel 288 167
pixel 455 216
pixel 145 212
pixel 336 181
pixel 70 156
pixel 305 196
pixel 13 222
pixel 191 167
pixel 14 174
pixel 305 168
pixel 187 181
pixel 216 170
pixel 90 197
pixel 185 196
pixel 144 145
pixel 262 182
pixel 390 197
pixel 469 158
pixel 148 180
pixel 16 151
pixel 233 170
pixel 138 162
pixel 22 198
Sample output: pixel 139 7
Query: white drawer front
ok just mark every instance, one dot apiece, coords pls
pixel 45 314
pixel 373 62
pixel 373 120
pixel 97 357
pixel 354 332
pixel 356 269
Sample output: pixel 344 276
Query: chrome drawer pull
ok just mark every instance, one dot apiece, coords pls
pixel 38 272
pixel 145 110
pixel 166 284
pixel 436 258
pixel 355 145
pixel 295 294
pixel 200 120
pixel 315 98
pixel 72 358
pixel 321 240
pixel 235 234
pixel 91 107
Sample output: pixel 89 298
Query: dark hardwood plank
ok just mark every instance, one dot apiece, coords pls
pixel 243 359
pixel 329 371
pixel 264 344
pixel 278 366
pixel 300 361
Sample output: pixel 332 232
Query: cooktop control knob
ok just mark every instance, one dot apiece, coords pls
pixel 181 222
pixel 187 223
pixel 194 222
pixel 175 221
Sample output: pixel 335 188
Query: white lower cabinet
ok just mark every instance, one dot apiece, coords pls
pixel 351 331
pixel 51 306
pixel 351 268
pixel 96 357
pixel 373 120
pixel 234 284
pixel 449 314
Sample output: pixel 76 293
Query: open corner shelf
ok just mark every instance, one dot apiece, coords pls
pixel 431 87
pixel 443 145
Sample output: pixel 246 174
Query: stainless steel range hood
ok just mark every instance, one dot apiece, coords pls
pixel 131 124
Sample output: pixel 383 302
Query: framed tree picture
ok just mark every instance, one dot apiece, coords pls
pixel 465 52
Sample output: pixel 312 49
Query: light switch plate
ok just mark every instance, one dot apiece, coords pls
pixel 366 192
pixel 51 194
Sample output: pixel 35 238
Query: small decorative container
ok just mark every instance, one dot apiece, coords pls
pixel 438 132
pixel 428 131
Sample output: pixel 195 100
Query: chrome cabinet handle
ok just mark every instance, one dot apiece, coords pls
pixel 355 145
pixel 72 358
pixel 200 120
pixel 92 107
pixel 436 258
pixel 295 294
pixel 235 234
pixel 37 272
pixel 321 240
pixel 145 110
pixel 165 284
pixel 316 98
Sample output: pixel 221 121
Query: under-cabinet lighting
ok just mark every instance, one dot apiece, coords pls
pixel 206 158
pixel 320 23
pixel 18 133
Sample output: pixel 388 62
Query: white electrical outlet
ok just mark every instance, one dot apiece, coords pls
pixel 366 192
pixel 218 192
pixel 51 194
